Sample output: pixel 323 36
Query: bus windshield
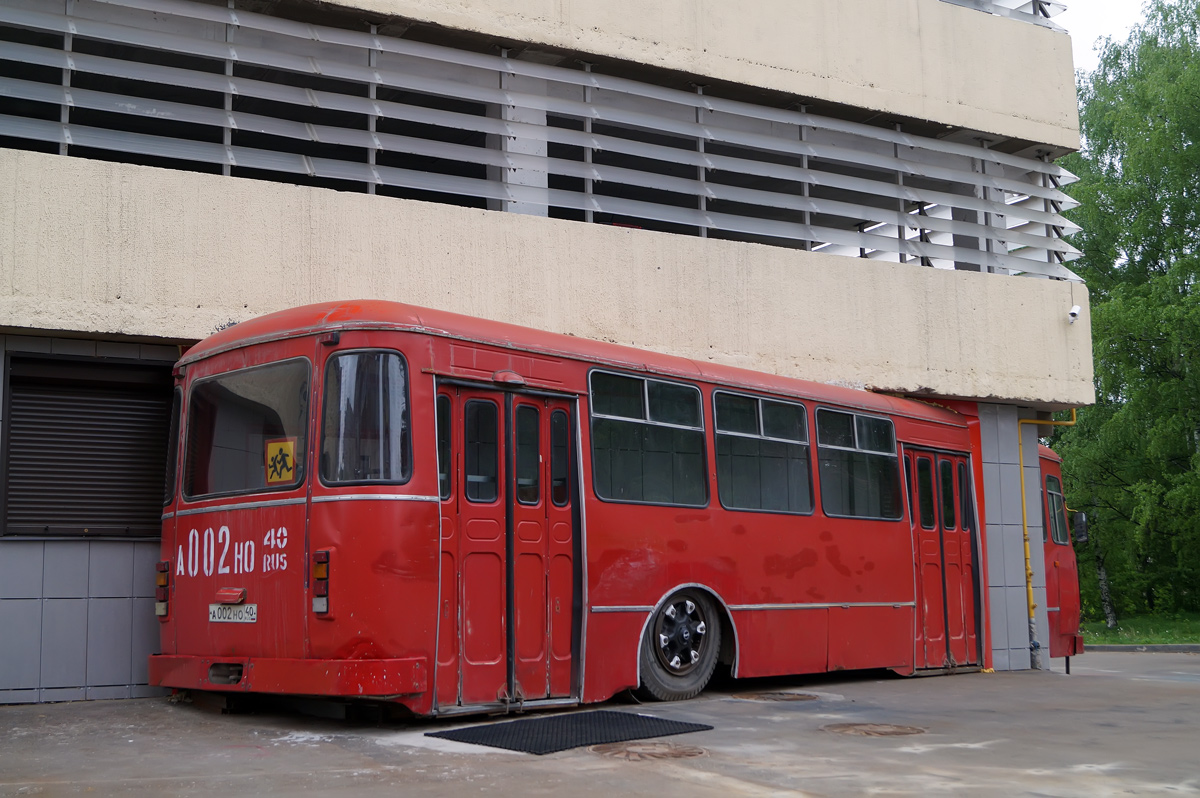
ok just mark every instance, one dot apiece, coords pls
pixel 246 430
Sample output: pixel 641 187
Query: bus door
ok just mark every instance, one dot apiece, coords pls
pixel 944 532
pixel 506 626
pixel 1062 579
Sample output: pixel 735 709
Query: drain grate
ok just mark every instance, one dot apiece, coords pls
pixel 642 751
pixel 777 696
pixel 873 729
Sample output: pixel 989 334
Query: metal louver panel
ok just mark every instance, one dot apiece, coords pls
pixel 85 460
pixel 217 88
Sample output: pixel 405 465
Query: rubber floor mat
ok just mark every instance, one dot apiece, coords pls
pixel 561 732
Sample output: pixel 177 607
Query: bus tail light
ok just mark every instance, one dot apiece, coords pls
pixel 320 576
pixel 162 588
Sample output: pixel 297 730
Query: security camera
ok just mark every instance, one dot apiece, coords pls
pixel 1073 313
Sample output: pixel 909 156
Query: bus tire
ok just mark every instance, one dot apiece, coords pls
pixel 680 648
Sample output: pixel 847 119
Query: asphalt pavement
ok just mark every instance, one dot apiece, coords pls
pixel 1120 724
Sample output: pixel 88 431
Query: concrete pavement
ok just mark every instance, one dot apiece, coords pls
pixel 1122 723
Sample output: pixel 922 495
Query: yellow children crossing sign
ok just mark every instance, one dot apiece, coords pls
pixel 281 461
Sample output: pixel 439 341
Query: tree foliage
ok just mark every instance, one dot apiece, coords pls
pixel 1133 461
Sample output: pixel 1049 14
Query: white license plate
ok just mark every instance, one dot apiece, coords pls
pixel 233 613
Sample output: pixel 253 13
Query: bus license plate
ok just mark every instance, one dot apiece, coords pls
pixel 233 613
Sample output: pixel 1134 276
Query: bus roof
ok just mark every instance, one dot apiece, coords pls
pixel 1047 453
pixel 373 314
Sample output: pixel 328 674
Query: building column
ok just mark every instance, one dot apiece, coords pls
pixel 1009 614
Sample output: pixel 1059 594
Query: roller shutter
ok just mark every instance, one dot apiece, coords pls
pixel 85 447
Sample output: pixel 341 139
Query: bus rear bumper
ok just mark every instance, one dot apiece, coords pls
pixel 368 678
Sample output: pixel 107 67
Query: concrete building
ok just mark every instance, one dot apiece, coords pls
pixel 861 192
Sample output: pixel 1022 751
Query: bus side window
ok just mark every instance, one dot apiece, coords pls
pixel 560 454
pixel 762 454
pixel 1058 514
pixel 365 433
pixel 482 451
pixel 860 470
pixel 443 446
pixel 647 441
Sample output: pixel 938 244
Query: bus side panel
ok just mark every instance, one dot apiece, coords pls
pixel 778 642
pixel 383 579
pixel 870 637
pixel 611 653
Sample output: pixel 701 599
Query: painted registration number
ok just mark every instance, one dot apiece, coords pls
pixel 233 613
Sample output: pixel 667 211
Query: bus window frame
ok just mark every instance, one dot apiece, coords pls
pixel 761 436
pixel 702 429
pixel 407 454
pixel 172 483
pixel 306 426
pixel 895 453
pixel 1062 514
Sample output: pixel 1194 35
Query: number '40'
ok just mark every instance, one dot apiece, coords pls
pixel 276 539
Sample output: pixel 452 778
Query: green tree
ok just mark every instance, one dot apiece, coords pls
pixel 1133 461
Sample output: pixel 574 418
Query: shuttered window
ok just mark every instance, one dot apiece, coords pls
pixel 85 447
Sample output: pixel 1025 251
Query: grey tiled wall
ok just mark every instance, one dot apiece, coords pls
pixel 1005 544
pixel 78 619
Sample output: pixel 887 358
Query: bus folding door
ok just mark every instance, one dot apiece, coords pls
pixel 508 573
pixel 943 522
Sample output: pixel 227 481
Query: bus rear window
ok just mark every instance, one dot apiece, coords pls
pixel 365 435
pixel 246 430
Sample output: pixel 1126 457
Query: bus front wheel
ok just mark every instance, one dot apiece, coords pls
pixel 680 648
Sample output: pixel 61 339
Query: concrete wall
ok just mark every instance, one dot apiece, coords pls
pixel 108 248
pixel 918 58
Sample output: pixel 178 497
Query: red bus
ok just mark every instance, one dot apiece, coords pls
pixel 369 499
pixel 1062 576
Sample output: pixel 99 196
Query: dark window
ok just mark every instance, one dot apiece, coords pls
pixel 1058 511
pixel 762 468
pixel 528 455
pixel 673 404
pixel 614 395
pixel 482 451
pixel 560 458
pixel 964 492
pixel 875 435
pixel 173 446
pixel 246 430
pixel 860 473
pixel 925 491
pixel 947 473
pixel 660 460
pixel 737 413
pixel 443 446
pixel 365 435
pixel 908 481
pixel 784 421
